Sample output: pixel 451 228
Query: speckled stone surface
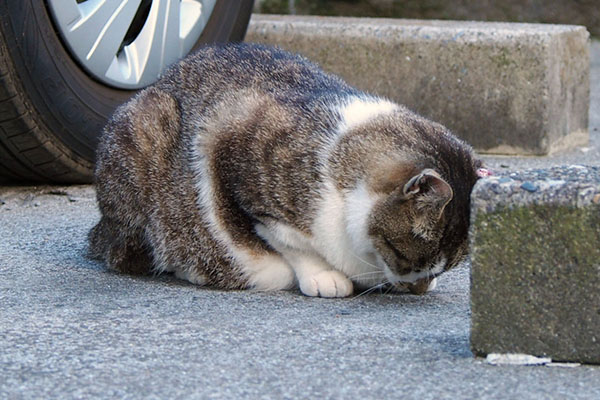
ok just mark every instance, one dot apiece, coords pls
pixel 505 88
pixel 581 12
pixel 535 273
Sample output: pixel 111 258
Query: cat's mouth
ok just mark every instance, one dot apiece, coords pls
pixel 415 276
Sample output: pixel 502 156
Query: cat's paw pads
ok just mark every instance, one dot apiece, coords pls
pixel 327 284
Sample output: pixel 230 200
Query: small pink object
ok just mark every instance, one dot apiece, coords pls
pixel 484 172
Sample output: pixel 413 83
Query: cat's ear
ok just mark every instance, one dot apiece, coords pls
pixel 432 192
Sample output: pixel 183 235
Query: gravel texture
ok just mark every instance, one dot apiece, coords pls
pixel 573 185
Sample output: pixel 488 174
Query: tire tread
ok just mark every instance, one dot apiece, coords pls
pixel 18 127
pixel 38 143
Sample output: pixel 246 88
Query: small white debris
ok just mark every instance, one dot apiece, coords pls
pixel 516 359
pixel 585 149
pixel 563 364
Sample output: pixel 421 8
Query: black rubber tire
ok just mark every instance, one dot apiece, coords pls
pixel 51 111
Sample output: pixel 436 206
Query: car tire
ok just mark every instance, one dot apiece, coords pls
pixel 51 111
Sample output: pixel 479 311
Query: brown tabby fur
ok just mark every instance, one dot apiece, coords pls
pixel 257 129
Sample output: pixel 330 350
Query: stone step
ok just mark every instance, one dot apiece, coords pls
pixel 582 12
pixel 535 264
pixel 506 88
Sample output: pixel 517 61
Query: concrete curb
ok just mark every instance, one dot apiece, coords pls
pixel 581 12
pixel 506 88
pixel 535 267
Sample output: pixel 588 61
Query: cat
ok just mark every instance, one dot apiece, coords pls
pixel 248 167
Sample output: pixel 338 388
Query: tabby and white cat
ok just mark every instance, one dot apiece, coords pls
pixel 245 166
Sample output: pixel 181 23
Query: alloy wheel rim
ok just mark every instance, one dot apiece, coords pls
pixel 128 43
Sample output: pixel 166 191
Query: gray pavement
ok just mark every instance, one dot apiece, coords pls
pixel 70 329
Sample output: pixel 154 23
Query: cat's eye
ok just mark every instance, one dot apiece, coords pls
pixel 399 255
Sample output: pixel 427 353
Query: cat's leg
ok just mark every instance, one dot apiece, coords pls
pixel 316 277
pixel 432 285
pixel 268 271
pixel 130 257
pixel 122 250
pixel 191 276
pixel 97 240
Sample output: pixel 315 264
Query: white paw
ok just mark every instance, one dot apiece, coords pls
pixel 191 276
pixel 327 284
pixel 270 272
pixel 280 278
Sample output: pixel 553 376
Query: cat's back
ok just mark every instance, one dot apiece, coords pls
pixel 218 70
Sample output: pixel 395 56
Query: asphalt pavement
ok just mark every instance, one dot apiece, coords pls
pixel 70 329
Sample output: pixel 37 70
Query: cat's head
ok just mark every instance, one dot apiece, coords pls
pixel 411 227
pixel 408 182
pixel 419 224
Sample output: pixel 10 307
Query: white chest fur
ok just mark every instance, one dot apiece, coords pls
pixel 341 232
pixel 338 235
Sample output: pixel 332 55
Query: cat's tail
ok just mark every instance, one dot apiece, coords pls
pixel 97 244
pixel 121 250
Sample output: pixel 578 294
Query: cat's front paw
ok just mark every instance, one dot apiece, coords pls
pixel 327 284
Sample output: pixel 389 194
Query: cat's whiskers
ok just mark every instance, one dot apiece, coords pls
pixel 365 274
pixel 378 274
pixel 371 289
pixel 366 262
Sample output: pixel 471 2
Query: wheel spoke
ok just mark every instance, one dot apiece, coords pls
pixel 95 31
pixel 194 17
pixel 97 34
pixel 66 13
pixel 167 42
pixel 191 11
pixel 111 36
pixel 157 45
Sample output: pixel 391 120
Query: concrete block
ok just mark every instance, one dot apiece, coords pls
pixel 580 12
pixel 535 274
pixel 505 88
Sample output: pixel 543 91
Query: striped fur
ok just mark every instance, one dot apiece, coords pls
pixel 248 167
